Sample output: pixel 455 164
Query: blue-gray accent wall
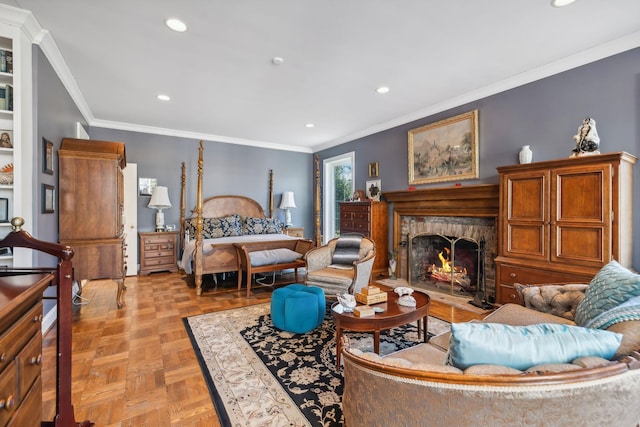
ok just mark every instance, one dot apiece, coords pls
pixel 544 114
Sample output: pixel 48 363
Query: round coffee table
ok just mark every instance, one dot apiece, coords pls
pixel 394 315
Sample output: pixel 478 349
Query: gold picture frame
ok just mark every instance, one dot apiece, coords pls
pixel 444 151
pixel 373 170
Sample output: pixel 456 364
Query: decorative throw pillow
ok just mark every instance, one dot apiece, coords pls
pixel 213 228
pixel 273 256
pixel 347 249
pixel 521 347
pixel 628 310
pixel 559 300
pixel 610 287
pixel 227 226
pixel 262 225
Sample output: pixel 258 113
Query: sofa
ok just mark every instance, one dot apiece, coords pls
pixel 438 383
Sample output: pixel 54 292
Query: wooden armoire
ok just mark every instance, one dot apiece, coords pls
pixel 371 219
pixel 91 209
pixel 561 221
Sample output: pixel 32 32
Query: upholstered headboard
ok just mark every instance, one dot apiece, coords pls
pixel 221 206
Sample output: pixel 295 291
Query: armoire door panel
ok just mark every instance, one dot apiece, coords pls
pixel 580 245
pixel 526 240
pixel 526 198
pixel 580 195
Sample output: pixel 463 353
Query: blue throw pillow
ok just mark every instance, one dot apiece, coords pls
pixel 609 288
pixel 522 347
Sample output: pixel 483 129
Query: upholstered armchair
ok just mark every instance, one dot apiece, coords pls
pixel 343 265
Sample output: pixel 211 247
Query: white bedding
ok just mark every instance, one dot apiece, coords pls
pixel 190 247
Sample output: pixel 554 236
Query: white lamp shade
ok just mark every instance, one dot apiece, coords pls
pixel 287 200
pixel 160 198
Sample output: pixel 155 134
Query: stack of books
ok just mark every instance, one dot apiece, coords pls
pixel 6 61
pixel 6 97
pixel 371 295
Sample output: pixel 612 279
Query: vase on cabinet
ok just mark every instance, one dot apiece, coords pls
pixel 526 155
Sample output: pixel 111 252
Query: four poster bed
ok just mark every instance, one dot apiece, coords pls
pixel 211 238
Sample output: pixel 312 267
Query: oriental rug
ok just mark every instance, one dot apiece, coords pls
pixel 259 375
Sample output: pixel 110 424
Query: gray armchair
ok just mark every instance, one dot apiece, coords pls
pixel 337 278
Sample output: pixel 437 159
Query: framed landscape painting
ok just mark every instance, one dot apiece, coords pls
pixel 444 151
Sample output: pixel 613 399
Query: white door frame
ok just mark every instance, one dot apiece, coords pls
pixel 328 193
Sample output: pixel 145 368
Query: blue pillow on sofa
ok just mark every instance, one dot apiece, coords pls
pixel 609 288
pixel 522 347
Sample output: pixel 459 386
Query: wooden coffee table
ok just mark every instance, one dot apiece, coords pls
pixel 394 315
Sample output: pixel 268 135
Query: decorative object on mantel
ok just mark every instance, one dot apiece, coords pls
pixel 526 155
pixel 160 200
pixel 6 174
pixel 587 139
pixel 287 203
pixel 444 151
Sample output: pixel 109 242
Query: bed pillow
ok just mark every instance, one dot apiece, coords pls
pixel 609 288
pixel 213 228
pixel 262 226
pixel 521 347
pixel 273 256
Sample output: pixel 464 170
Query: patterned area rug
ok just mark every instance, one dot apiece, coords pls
pixel 261 376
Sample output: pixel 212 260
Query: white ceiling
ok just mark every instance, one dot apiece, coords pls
pixel 115 56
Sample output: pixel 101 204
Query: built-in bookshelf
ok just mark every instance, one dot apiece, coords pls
pixel 7 141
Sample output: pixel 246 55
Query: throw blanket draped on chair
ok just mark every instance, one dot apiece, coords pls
pixel 347 249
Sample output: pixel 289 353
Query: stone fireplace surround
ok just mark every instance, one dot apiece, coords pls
pixel 473 209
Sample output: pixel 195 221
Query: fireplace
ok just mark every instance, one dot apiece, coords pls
pixel 438 232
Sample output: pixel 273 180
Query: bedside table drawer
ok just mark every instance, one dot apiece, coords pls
pixel 157 254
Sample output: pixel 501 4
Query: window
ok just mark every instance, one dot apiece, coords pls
pixel 338 187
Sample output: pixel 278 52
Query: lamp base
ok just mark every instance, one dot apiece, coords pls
pixel 160 221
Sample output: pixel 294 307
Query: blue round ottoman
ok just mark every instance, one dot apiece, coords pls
pixel 298 308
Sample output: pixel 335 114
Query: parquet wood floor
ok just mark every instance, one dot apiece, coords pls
pixel 136 366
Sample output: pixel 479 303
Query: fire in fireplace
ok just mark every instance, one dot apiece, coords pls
pixel 445 263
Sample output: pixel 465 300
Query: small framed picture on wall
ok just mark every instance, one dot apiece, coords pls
pixel 47 156
pixel 48 198
pixel 373 170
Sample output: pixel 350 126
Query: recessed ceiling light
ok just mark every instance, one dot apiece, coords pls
pixel 382 89
pixel 309 125
pixel 276 60
pixel 560 3
pixel 176 25
pixel 164 97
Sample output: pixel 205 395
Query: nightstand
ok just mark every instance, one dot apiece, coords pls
pixel 294 232
pixel 158 251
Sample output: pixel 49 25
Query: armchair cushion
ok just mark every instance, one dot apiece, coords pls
pixel 522 347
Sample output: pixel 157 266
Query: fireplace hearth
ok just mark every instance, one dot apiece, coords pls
pixel 439 225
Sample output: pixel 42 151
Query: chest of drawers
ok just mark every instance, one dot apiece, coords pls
pixel 21 348
pixel 370 219
pixel 158 252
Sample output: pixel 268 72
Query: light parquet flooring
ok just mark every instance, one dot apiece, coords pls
pixel 136 366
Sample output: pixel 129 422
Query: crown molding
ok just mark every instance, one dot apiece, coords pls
pixel 597 53
pixel 195 135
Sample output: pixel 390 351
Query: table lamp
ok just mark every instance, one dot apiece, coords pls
pixel 287 203
pixel 159 200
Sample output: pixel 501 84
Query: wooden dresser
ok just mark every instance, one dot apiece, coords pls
pixel 370 219
pixel 158 251
pixel 562 220
pixel 21 348
pixel 91 209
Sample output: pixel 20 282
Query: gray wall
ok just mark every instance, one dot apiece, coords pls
pixel 544 114
pixel 228 169
pixel 55 117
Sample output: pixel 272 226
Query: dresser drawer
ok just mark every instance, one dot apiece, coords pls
pixel 157 254
pixel 29 364
pixel 510 274
pixel 158 246
pixel 161 261
pixel 30 413
pixel 15 338
pixel 8 393
pixel 355 227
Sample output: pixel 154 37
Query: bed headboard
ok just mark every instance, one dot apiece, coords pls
pixel 220 206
